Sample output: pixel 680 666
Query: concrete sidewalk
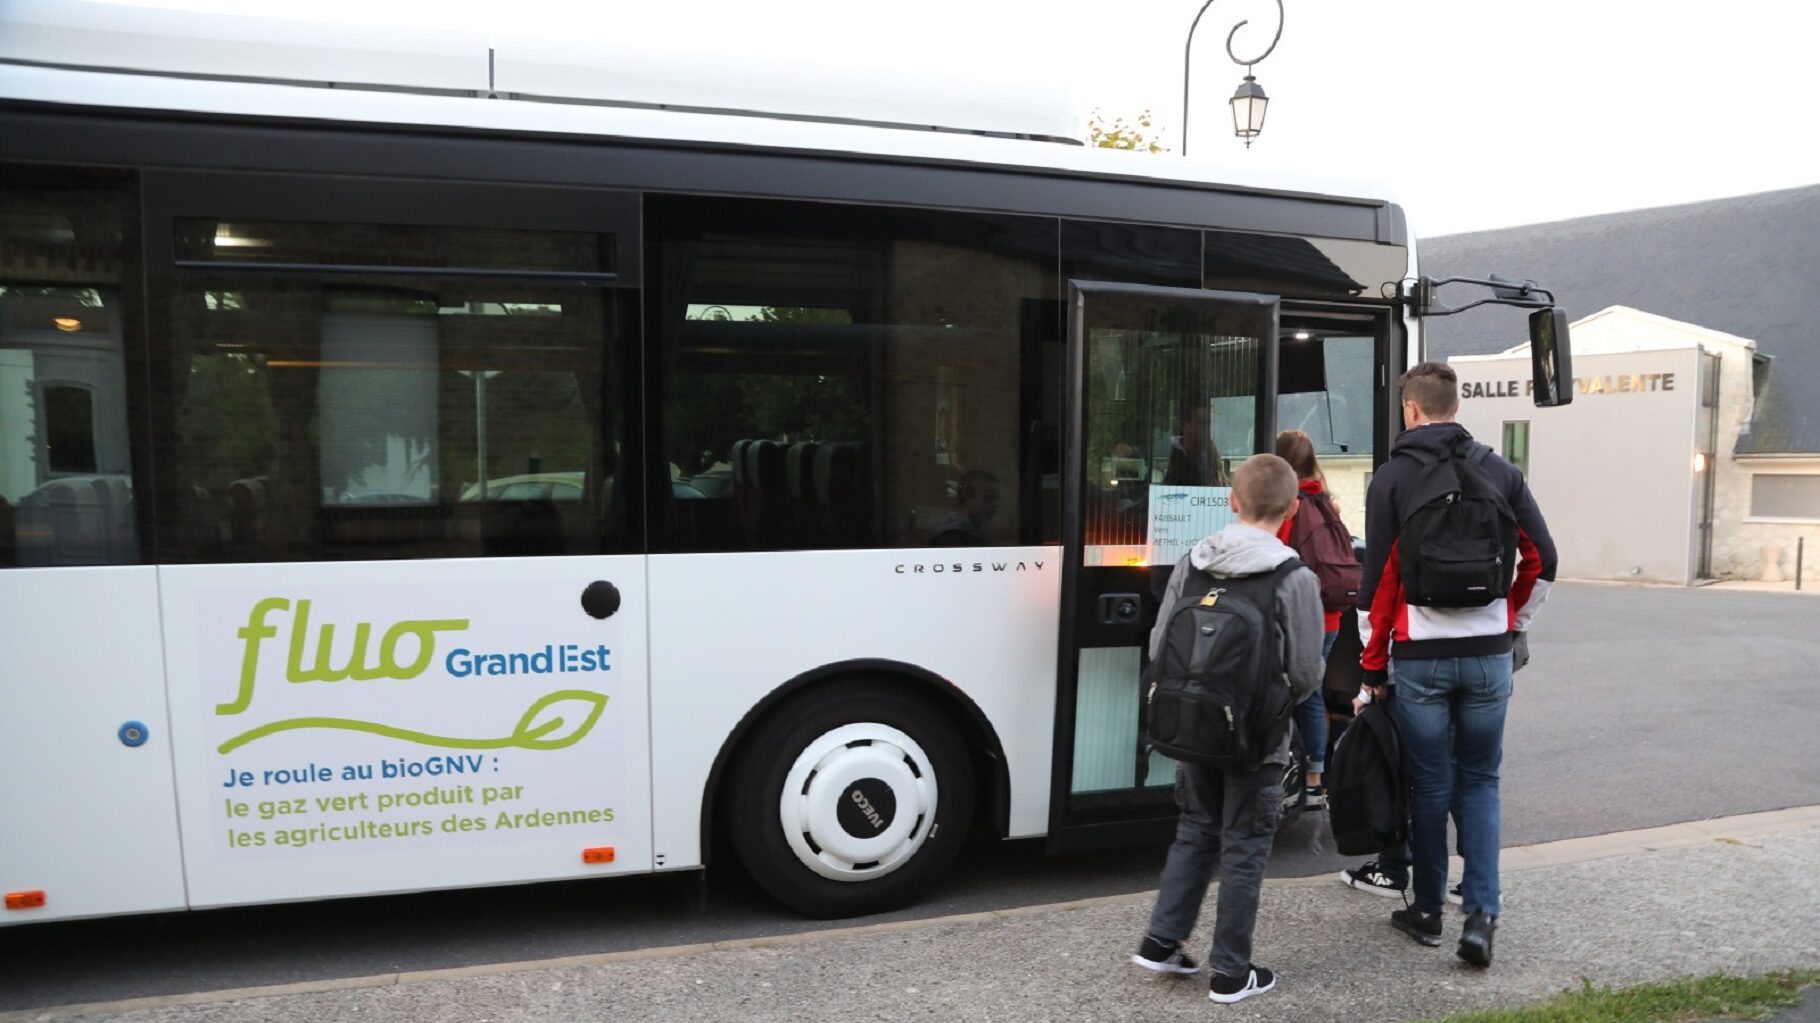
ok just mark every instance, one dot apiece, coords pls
pixel 1739 894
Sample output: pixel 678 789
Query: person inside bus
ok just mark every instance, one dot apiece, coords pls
pixel 1194 459
pixel 977 496
pixel 1297 448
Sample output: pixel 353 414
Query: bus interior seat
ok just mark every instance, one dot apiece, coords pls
pixel 744 507
pixel 204 528
pixel 766 469
pixel 799 482
pixel 246 511
pixel 522 528
pixel 121 531
pixel 81 520
pixel 842 485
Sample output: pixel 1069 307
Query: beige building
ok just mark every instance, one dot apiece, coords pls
pixel 1637 475
pixel 1691 449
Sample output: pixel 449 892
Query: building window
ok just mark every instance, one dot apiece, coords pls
pixel 1784 496
pixel 69 429
pixel 1516 445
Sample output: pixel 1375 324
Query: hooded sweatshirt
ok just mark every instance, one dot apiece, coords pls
pixel 1241 550
pixel 1310 488
pixel 1388 624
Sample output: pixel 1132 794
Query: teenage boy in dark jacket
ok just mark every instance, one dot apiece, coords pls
pixel 1228 817
pixel 1452 666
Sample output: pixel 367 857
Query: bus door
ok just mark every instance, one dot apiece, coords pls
pixel 1169 390
pixel 398 493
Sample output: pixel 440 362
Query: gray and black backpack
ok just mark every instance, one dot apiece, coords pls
pixel 1216 692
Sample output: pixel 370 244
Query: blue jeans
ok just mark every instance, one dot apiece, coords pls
pixel 1451 714
pixel 1311 717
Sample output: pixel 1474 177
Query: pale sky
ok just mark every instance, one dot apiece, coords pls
pixel 1477 114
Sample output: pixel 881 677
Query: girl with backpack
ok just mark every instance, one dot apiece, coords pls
pixel 1322 541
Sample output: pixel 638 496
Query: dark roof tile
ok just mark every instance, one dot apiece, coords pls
pixel 1748 266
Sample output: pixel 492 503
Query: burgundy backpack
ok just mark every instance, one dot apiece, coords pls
pixel 1321 539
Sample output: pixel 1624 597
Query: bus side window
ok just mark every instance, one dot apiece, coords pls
pixel 842 377
pixel 387 414
pixel 66 474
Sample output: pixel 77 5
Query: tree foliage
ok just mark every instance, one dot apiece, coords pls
pixel 1140 135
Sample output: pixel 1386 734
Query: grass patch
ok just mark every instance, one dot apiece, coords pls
pixel 1675 1001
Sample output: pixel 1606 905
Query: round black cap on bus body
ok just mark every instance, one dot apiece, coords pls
pixel 600 599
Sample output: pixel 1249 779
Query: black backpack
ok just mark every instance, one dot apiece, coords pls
pixel 1318 535
pixel 1217 693
pixel 1458 544
pixel 1367 786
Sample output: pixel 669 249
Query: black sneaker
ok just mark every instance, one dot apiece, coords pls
pixel 1226 990
pixel 1369 878
pixel 1454 898
pixel 1163 957
pixel 1423 927
pixel 1475 939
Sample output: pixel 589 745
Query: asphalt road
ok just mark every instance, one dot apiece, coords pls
pixel 1641 707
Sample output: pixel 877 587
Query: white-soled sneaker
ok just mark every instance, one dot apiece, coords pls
pixel 1161 957
pixel 1453 896
pixel 1367 877
pixel 1227 990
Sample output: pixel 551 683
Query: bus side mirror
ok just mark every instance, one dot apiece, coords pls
pixel 1550 357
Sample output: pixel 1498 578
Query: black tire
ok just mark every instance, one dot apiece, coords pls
pixel 755 822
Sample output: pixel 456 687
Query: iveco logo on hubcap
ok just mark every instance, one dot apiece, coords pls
pixel 866 808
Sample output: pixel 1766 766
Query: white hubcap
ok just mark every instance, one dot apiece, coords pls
pixel 858 802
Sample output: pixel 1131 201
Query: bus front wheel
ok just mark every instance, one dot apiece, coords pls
pixel 852 799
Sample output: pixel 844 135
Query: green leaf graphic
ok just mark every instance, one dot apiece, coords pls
pixel 529 737
pixel 528 734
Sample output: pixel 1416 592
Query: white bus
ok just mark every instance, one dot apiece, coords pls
pixel 427 462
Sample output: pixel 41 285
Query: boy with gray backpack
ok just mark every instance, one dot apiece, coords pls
pixel 1236 647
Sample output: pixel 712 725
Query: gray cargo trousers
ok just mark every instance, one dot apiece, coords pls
pixel 1228 820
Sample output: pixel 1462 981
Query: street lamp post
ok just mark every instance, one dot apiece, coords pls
pixel 1249 101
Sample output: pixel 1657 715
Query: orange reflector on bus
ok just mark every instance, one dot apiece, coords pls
pixel 25 900
pixel 599 854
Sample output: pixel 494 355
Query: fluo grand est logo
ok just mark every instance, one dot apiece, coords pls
pixel 405 650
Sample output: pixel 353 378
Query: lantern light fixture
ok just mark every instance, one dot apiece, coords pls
pixel 1249 101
